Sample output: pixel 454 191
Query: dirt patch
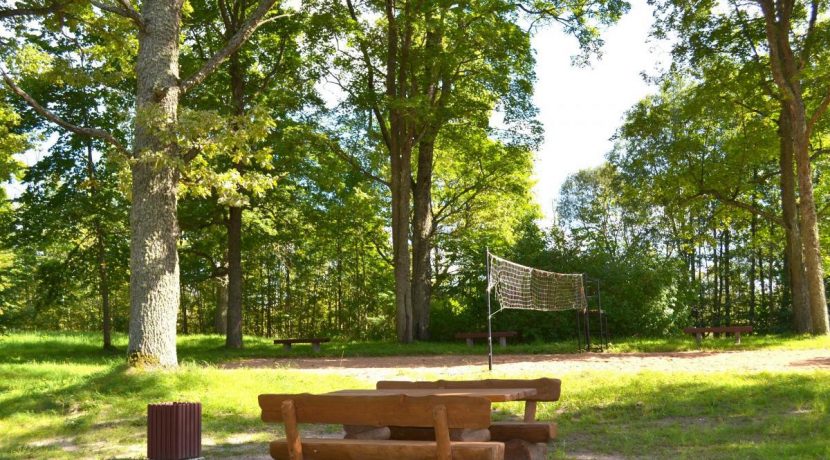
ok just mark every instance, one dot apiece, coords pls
pixel 373 368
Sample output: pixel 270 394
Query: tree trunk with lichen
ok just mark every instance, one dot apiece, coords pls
pixel 154 260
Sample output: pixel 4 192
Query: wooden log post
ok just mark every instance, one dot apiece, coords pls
pixel 292 434
pixel 442 433
pixel 530 411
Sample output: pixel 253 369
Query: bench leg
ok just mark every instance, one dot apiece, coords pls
pixel 286 346
pixel 503 342
pixel 315 346
pixel 469 342
pixel 698 338
pixel 530 411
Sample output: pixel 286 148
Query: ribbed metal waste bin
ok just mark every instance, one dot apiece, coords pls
pixel 174 431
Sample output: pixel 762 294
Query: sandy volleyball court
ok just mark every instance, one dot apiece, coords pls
pixel 373 368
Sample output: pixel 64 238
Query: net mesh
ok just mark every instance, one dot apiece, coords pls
pixel 526 288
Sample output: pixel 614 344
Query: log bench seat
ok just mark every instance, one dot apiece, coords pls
pixel 314 341
pixel 736 330
pixel 440 414
pixel 471 336
pixel 523 440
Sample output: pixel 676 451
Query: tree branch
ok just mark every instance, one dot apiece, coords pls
pixel 45 113
pixel 741 205
pixel 808 36
pixel 241 36
pixel 370 81
pixel 50 8
pixel 126 10
pixel 822 107
pixel 352 161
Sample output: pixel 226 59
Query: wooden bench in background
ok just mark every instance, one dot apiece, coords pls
pixel 438 413
pixel 699 331
pixel 501 335
pixel 527 439
pixel 314 341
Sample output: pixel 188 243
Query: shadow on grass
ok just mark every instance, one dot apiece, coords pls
pixel 108 399
pixel 749 416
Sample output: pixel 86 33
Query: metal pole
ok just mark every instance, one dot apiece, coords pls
pixel 489 318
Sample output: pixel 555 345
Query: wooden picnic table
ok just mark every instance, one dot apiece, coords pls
pixel 465 435
pixel 490 394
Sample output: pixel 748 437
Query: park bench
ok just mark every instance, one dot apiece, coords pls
pixel 526 439
pixel 438 413
pixel 314 341
pixel 501 335
pixel 699 331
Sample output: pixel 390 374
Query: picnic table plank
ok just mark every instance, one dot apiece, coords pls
pixel 491 394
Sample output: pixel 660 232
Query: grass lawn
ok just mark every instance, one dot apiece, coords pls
pixel 61 397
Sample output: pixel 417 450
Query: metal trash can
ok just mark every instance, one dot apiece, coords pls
pixel 174 431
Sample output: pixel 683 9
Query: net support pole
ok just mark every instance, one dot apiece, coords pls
pixel 489 318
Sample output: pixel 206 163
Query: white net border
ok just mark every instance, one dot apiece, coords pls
pixel 525 288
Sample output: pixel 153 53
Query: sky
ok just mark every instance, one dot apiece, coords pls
pixel 581 108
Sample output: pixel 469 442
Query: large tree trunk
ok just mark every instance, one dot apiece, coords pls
pixel 422 238
pixel 809 222
pixel 798 286
pixel 154 260
pixel 786 72
pixel 235 275
pixel 401 186
pixel 400 152
pixel 234 332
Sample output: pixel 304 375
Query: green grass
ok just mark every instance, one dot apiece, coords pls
pixel 83 347
pixel 62 397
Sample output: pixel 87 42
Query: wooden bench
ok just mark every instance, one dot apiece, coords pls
pixel 501 335
pixel 438 413
pixel 314 341
pixel 699 331
pixel 527 439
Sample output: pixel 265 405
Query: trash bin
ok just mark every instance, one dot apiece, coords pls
pixel 174 431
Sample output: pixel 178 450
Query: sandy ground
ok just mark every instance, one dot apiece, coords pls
pixel 375 368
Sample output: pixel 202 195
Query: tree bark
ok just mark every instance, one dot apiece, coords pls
pixel 422 238
pixel 727 276
pixel 154 260
pixel 798 287
pixel 401 180
pixel 786 72
pixel 234 332
pixel 235 275
pixel 753 229
pixel 400 151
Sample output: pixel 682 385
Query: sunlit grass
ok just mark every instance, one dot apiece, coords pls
pixel 204 348
pixel 63 397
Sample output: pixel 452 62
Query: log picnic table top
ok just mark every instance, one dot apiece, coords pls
pixel 490 394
